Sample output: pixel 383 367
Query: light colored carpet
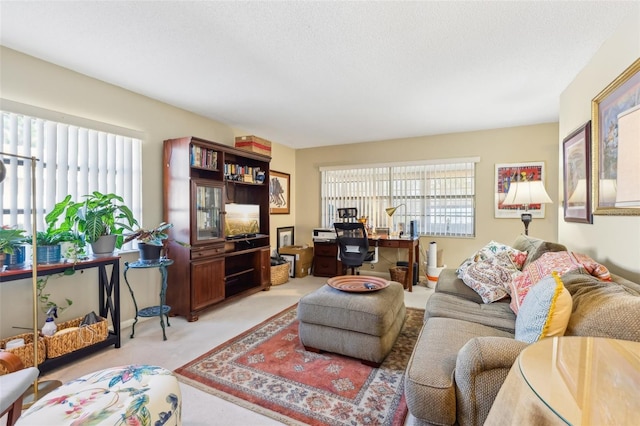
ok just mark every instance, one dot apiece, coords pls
pixel 189 340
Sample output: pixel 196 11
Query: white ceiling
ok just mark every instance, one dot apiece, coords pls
pixel 315 73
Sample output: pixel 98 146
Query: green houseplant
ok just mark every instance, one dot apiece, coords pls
pixel 151 241
pixel 11 249
pixel 100 218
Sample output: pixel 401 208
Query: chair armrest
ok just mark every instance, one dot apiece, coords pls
pixel 482 366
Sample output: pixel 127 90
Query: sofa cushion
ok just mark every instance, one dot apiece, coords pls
pixel 490 278
pixel 497 315
pixel 561 262
pixel 535 247
pixel 545 312
pixel 429 379
pixel 603 309
pixel 449 283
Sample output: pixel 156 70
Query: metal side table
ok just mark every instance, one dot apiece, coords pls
pixel 161 310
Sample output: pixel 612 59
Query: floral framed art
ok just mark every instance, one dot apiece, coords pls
pixel 515 172
pixel 576 149
pixel 616 149
pixel 279 192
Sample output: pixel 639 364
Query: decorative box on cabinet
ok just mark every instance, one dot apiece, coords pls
pixel 200 178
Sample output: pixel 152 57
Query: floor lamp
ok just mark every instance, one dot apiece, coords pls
pixel 38 389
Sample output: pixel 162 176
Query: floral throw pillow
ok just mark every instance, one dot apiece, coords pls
pixel 490 278
pixel 490 250
pixel 561 262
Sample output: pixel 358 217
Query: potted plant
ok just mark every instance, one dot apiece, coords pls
pixel 48 246
pixel 71 242
pixel 100 218
pixel 151 241
pixel 12 251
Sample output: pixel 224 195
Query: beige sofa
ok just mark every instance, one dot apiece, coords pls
pixel 466 347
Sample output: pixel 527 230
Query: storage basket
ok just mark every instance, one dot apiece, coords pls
pixel 280 274
pixel 399 274
pixel 63 342
pixel 25 353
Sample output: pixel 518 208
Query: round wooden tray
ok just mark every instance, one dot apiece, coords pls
pixel 357 284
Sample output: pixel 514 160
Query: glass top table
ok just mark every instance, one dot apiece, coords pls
pixel 585 380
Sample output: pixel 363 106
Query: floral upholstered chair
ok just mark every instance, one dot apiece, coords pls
pixel 127 395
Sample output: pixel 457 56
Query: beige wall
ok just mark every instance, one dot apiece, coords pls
pixel 29 81
pixel 517 144
pixel 613 240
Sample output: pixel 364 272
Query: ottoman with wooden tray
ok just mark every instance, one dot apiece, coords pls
pixel 356 316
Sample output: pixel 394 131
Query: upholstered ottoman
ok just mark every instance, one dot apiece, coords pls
pixel 359 325
pixel 131 394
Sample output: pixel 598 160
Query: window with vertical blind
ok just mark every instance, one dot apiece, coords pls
pixel 72 160
pixel 438 194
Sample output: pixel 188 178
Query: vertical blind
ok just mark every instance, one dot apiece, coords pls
pixel 72 161
pixel 439 195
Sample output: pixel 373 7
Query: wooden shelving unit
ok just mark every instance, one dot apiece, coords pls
pixel 200 179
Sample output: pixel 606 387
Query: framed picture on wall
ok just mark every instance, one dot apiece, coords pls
pixel 616 145
pixel 279 195
pixel 576 160
pixel 516 172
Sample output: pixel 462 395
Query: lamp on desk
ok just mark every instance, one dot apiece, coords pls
pixel 526 193
pixel 391 211
pixel 38 389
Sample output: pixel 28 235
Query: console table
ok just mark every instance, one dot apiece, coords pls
pixel 161 310
pixel 108 301
pixel 326 263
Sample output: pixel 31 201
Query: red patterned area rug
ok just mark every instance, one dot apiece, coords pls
pixel 267 370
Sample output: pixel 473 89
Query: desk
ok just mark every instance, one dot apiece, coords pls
pixel 572 380
pixel 108 300
pixel 161 310
pixel 326 263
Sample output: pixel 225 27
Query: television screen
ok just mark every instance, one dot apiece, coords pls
pixel 241 220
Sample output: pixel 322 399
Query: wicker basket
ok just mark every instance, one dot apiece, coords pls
pixel 280 274
pixel 399 274
pixel 25 353
pixel 63 343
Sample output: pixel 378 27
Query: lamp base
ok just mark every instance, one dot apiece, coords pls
pixel 43 388
pixel 526 219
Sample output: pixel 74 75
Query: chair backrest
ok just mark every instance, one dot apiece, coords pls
pixel 353 242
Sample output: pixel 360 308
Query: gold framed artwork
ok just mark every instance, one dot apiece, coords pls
pixel 616 148
pixel 279 195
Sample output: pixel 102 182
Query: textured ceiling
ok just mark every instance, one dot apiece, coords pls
pixel 322 73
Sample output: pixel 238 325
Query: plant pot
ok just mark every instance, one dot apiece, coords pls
pixel 149 253
pixel 18 259
pixel 104 246
pixel 48 254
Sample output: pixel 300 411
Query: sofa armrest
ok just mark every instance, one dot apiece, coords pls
pixel 482 366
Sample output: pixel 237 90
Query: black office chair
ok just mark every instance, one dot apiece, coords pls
pixel 353 244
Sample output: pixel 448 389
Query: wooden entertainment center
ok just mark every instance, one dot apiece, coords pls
pixel 200 179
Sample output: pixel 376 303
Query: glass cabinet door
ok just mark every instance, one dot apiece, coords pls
pixel 208 208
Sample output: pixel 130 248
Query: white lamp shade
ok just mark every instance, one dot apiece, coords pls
pixel 628 177
pixel 526 193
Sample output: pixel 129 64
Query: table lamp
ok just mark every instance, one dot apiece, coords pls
pixel 391 211
pixel 526 193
